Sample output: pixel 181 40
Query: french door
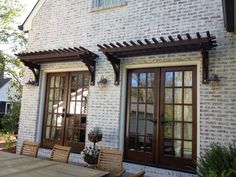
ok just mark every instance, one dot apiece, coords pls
pixel 66 110
pixel 161 116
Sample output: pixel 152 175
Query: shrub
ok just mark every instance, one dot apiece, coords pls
pixel 218 161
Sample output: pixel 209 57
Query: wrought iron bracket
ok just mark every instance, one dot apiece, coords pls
pixel 91 65
pixel 35 70
pixel 205 66
pixel 116 67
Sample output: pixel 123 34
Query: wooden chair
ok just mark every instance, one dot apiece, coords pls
pixel 29 148
pixel 111 161
pixel 60 153
pixel 140 174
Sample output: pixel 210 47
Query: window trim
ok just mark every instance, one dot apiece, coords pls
pixel 104 7
pixel 125 85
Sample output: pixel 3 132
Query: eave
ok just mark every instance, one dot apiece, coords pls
pixel 27 24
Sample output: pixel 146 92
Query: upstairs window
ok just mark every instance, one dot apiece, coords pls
pixel 107 3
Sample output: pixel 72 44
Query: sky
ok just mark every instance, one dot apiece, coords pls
pixel 29 4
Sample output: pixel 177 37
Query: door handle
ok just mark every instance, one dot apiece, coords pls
pixel 63 112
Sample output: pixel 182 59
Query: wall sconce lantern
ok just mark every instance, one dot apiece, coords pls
pixel 102 83
pixel 31 82
pixel 214 80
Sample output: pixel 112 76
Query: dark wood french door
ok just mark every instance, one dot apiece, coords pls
pixel 66 110
pixel 161 116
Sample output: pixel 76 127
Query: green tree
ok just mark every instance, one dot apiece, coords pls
pixel 10 11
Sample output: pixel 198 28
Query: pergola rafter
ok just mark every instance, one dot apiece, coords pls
pixel 117 51
pixel 33 60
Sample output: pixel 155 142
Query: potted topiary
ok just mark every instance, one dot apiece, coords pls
pixel 90 154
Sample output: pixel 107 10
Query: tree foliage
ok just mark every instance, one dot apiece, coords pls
pixel 10 10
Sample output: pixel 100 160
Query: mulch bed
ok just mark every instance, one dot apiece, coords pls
pixel 2 148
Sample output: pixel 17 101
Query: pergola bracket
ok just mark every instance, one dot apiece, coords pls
pixel 91 65
pixel 205 66
pixel 116 67
pixel 35 70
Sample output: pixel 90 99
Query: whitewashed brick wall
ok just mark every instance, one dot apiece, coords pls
pixel 63 23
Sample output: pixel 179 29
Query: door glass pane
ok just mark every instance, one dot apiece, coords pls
pixel 76 136
pixel 58 133
pixel 142 80
pixel 56 94
pixel 178 79
pixel 57 82
pixel 134 95
pixel 80 80
pixel 142 95
pixel 72 107
pixel 168 129
pixel 169 79
pixel 178 95
pixel 188 78
pixel 141 123
pixel 150 97
pixel 168 147
pixel 168 113
pixel 50 106
pixel 70 134
pixel 188 149
pixel 48 132
pixel 60 107
pixel 49 119
pixel 53 133
pixel 140 144
pixel 54 120
pixel 178 113
pixel 168 95
pixel 52 81
pixel 188 112
pixel 150 80
pixel 132 146
pixel 178 130
pixel 149 143
pixel 51 95
pixel 188 131
pixel 133 119
pixel 188 96
pixel 178 149
pixel 134 80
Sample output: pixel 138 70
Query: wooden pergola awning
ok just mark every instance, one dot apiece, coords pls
pixel 34 59
pixel 114 52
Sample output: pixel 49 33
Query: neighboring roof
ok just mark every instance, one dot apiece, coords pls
pixel 229 10
pixel 4 82
pixel 26 26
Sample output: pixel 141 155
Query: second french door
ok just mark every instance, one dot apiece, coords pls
pixel 66 110
pixel 161 116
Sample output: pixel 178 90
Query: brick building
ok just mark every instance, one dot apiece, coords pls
pixel 170 92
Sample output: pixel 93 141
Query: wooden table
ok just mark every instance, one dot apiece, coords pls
pixel 13 165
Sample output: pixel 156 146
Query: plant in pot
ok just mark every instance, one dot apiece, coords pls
pixel 90 154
